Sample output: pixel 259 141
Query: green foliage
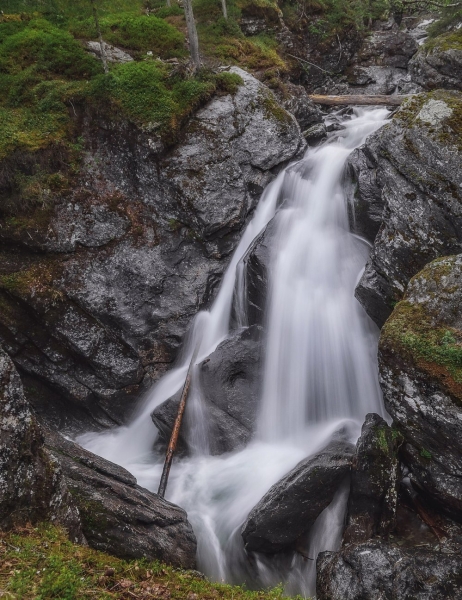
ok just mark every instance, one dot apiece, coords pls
pixel 169 11
pixel 140 33
pixel 228 82
pixel 425 454
pixel 449 20
pixel 42 70
pixel 48 49
pixel 42 564
pixel 148 95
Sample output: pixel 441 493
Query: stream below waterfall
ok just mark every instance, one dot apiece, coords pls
pixel 319 378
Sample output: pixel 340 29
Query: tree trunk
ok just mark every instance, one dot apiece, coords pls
pixel 169 3
pixel 192 34
pixel 358 100
pixel 100 37
pixel 225 10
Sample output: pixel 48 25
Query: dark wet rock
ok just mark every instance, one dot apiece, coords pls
pixel 32 487
pixel 255 269
pixel 420 374
pixel 438 65
pixel 433 482
pixel 374 482
pixel 416 163
pixel 98 290
pixel 365 194
pixel 289 509
pixel 380 569
pixel 118 516
pixel 295 99
pixel 314 134
pixel 230 384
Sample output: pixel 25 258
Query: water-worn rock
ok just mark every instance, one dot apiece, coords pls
pixel 230 384
pixel 117 515
pixel 420 374
pixel 438 65
pixel 98 290
pixel 289 509
pixel 378 569
pixel 410 171
pixel 374 482
pixel 32 488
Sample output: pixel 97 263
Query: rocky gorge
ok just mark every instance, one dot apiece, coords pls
pixel 98 290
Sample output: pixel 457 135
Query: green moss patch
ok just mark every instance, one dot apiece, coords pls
pixel 410 331
pixel 42 564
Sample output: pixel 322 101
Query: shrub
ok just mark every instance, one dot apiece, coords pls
pixel 49 49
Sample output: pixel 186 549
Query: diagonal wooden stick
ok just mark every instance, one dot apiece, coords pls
pixel 176 427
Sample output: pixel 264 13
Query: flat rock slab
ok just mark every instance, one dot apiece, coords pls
pixel 117 515
pixel 291 506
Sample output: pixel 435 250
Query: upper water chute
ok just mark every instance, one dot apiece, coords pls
pixel 320 364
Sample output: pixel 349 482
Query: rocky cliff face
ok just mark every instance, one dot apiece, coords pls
pixel 98 290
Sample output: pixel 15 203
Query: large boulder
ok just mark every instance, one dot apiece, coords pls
pixel 380 569
pixel 289 509
pixel 420 360
pixel 98 289
pixel 32 487
pixel 230 386
pixel 375 477
pixel 438 64
pixel 410 172
pixel 117 515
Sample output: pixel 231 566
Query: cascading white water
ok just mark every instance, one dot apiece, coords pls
pixel 320 374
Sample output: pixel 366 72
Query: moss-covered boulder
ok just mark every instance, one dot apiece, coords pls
pixel 408 179
pixel 420 357
pixel 438 64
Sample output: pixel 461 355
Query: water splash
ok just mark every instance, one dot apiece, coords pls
pixel 320 373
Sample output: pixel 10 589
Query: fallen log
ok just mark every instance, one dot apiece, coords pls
pixel 176 427
pixel 358 100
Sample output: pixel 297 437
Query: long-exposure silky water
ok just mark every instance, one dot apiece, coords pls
pixel 319 379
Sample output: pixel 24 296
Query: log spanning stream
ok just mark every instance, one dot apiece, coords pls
pixel 319 376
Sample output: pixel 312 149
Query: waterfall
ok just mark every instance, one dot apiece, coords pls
pixel 320 373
